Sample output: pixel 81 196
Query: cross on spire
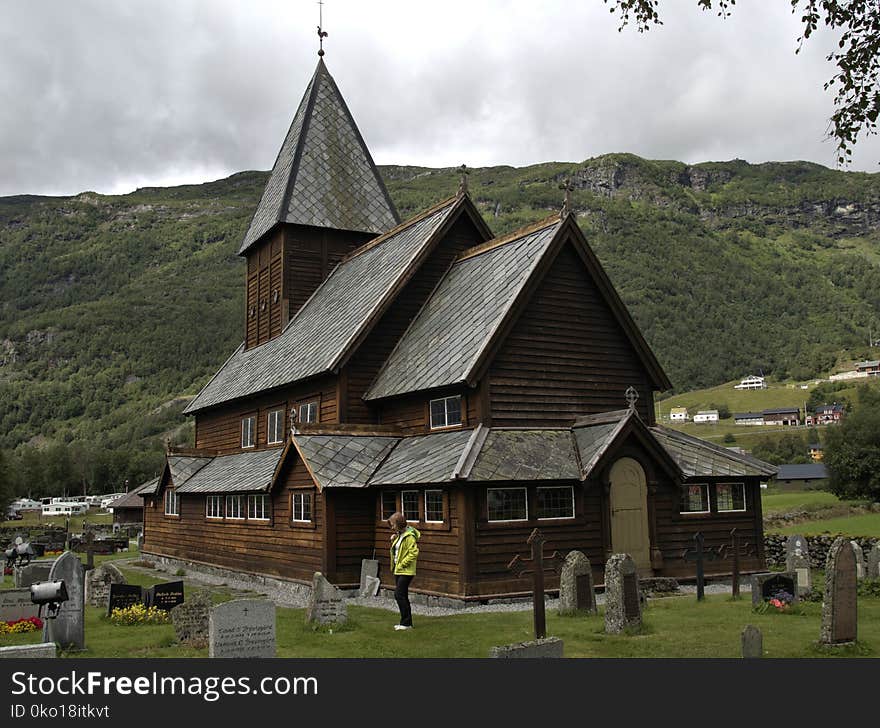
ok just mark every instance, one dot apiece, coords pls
pixel 568 186
pixel 321 33
pixel 632 396
pixel 463 179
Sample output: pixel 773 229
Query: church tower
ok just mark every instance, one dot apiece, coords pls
pixel 323 199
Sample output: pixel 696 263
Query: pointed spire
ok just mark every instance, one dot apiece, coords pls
pixel 463 180
pixel 568 186
pixel 324 175
pixel 321 32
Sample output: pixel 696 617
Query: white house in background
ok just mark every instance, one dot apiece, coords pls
pixel 678 414
pixel 752 382
pixel 25 504
pixel 65 508
pixel 706 416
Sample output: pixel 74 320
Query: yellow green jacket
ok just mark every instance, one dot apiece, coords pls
pixel 407 551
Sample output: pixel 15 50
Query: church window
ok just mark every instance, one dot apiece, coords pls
pixel 308 412
pixel 172 503
pixel 434 506
pixel 247 431
pixel 446 412
pixel 695 498
pixel 258 507
pixel 556 502
pixel 730 496
pixel 275 427
pixel 507 504
pixel 409 500
pixel 301 507
pixel 214 506
pixel 234 507
pixel 389 504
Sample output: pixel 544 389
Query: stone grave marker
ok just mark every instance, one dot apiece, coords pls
pixel 98 583
pixel 165 596
pixel 371 588
pixel 839 607
pixel 767 585
pixel 369 568
pixel 623 604
pixel 576 592
pixel 242 628
pixel 752 642
pixel 67 629
pixel 326 604
pixel 191 619
pixel 16 604
pixel 874 562
pixel 548 647
pixel 36 571
pixel 861 571
pixel 122 596
pixel 797 559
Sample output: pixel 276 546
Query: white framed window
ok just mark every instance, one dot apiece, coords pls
pixel 695 498
pixel 235 507
pixel 555 502
pixel 389 504
pixel 507 504
pixel 434 506
pixel 445 412
pixel 258 507
pixel 409 502
pixel 730 496
pixel 214 506
pixel 248 434
pixel 172 503
pixel 301 507
pixel 275 427
pixel 308 412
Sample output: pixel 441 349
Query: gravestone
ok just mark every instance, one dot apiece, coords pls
pixel 576 593
pixel 140 542
pixel 98 583
pixel 623 604
pixel 326 605
pixel 242 628
pixel 752 642
pixel 165 596
pixel 861 571
pixel 27 652
pixel 797 559
pixel 768 585
pixel 191 619
pixel 67 629
pixel 839 607
pixel 371 588
pixel 548 647
pixel 16 604
pixel 122 596
pixel 36 571
pixel 369 569
pixel 874 562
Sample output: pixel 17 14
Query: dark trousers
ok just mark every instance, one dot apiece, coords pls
pixel 401 596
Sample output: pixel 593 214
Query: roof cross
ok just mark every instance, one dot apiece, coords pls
pixel 321 33
pixel 463 179
pixel 632 396
pixel 568 186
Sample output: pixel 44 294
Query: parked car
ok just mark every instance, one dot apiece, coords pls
pixel 13 516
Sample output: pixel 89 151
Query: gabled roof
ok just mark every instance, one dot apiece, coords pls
pixel 444 342
pixel 135 497
pixel 324 175
pixel 342 461
pixel 423 459
pixel 699 458
pixel 244 472
pixel 343 307
pixel 781 411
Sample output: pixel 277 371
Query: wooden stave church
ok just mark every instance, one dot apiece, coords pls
pixel 357 326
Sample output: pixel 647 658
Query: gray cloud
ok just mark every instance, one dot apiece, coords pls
pixel 111 96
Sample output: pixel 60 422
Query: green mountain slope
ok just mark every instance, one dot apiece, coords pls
pixel 112 307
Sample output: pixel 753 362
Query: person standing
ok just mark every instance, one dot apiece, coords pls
pixel 404 554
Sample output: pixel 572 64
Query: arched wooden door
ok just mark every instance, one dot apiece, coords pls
pixel 629 513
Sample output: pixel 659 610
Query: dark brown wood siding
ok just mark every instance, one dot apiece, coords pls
pixel 263 317
pixel 371 355
pixel 411 412
pixel 220 428
pixel 566 356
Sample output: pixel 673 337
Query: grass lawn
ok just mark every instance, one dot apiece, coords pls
pixel 810 500
pixel 867 526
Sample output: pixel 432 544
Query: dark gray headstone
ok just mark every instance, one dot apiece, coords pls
pixel 34 572
pixel 546 647
pixel 768 585
pixel 861 569
pixel 874 562
pixel 98 583
pixel 191 619
pixel 165 596
pixel 123 596
pixel 752 642
pixel 623 604
pixel 839 607
pixel 326 603
pixel 576 593
pixel 67 629
pixel 797 559
pixel 242 628
pixel 16 604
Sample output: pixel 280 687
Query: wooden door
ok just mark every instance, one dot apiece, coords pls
pixel 629 513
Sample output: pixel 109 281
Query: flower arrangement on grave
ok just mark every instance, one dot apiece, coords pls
pixel 20 626
pixel 779 601
pixel 139 614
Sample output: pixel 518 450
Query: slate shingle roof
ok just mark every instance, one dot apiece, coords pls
pixel 423 459
pixel 324 175
pixel 456 324
pixel 697 457
pixel 344 461
pixel 804 471
pixel 540 454
pixel 321 331
pixel 134 497
pixel 239 473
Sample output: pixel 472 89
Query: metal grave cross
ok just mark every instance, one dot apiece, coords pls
pixel 90 550
pixel 699 555
pixel 535 567
pixel 736 550
pixel 632 396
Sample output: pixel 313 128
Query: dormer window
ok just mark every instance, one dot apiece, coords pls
pixel 446 412
pixel 248 434
pixel 308 412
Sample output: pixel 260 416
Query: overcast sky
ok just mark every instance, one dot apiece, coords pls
pixel 113 95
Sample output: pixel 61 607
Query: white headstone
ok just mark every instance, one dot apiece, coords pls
pixel 242 628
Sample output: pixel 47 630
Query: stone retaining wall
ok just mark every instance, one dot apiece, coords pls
pixel 774 548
